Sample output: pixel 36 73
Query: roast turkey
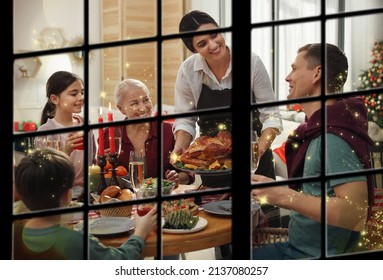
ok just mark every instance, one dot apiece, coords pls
pixel 205 150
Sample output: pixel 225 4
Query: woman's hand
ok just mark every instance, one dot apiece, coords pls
pixel 172 175
pixel 183 140
pixel 266 139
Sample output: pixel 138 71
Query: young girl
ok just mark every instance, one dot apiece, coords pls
pixel 65 94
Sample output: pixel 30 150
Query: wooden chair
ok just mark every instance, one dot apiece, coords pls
pixel 269 235
pixel 377 162
pixel 372 235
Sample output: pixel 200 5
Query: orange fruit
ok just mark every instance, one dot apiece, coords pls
pixel 121 171
pixel 108 165
pixel 108 174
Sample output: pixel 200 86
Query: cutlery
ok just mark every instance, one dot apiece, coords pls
pixel 225 208
pixel 129 184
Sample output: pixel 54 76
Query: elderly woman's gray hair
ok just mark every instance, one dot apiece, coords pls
pixel 124 86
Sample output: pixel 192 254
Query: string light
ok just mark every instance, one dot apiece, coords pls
pixel 373 78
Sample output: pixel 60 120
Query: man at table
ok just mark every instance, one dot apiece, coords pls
pixel 348 199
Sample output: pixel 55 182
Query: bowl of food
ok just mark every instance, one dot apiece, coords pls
pixel 149 187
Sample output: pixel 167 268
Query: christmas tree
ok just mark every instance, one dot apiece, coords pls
pixel 373 78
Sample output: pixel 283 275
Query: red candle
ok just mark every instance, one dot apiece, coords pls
pixel 111 132
pixel 100 136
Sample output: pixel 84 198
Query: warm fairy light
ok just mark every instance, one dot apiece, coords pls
pixel 262 200
pixel 372 236
pixel 221 126
pixel 174 157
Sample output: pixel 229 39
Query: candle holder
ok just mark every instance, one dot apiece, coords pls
pixel 102 184
pixel 113 162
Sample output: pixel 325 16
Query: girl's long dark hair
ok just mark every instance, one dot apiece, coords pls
pixel 56 84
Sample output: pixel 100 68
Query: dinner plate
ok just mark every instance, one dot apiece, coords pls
pixel 219 207
pixel 108 225
pixel 201 224
pixel 210 172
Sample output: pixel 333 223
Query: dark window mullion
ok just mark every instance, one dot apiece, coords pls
pixel 87 153
pixel 159 125
pixel 241 110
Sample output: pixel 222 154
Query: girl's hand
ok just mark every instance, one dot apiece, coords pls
pixel 74 141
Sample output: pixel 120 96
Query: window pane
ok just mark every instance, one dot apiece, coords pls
pixel 290 39
pixel 122 20
pixel 298 8
pixel 30 79
pixel 173 54
pixel 355 5
pixel 42 25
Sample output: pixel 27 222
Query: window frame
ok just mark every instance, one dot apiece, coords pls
pixel 241 109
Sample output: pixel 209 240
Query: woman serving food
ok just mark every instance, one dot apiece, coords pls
pixel 204 81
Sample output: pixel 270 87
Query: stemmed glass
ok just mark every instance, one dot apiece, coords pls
pixel 117 139
pixel 254 152
pixel 136 170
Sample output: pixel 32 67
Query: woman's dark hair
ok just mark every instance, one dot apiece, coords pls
pixel 56 84
pixel 191 22
pixel 43 177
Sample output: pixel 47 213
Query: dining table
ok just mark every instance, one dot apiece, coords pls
pixel 217 232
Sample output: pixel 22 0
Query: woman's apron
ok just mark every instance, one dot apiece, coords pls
pixel 211 124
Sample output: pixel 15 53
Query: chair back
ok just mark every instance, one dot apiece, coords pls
pixel 377 162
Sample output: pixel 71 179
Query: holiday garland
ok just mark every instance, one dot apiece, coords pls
pixel 373 78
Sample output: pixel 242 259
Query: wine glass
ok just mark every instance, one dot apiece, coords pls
pixel 117 139
pixel 254 152
pixel 136 170
pixel 53 141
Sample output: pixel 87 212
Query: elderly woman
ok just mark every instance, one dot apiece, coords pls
pixel 133 100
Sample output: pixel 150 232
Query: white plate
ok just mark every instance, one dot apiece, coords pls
pixel 108 225
pixel 201 224
pixel 184 188
pixel 219 207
